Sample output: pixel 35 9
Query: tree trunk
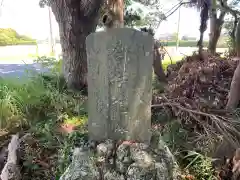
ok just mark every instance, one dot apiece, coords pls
pixel 76 19
pixel 157 65
pixel 203 27
pixel 213 41
pixel 233 37
pixel 114 16
pixel 237 36
pixel 215 28
pixel 234 94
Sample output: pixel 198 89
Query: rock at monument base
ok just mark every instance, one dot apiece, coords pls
pixel 82 167
pixel 135 161
pixel 112 175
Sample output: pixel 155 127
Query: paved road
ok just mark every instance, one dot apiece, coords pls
pixel 19 68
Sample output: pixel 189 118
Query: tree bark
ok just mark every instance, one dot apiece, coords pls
pixel 233 36
pixel 157 65
pixel 234 94
pixel 213 41
pixel 114 16
pixel 215 29
pixel 11 170
pixel 203 26
pixel 76 19
pixel 237 36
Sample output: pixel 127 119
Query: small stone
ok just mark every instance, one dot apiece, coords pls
pixel 135 172
pixel 162 171
pixel 111 161
pixel 142 146
pixel 105 149
pixel 142 158
pixel 91 144
pixel 121 167
pixel 102 149
pixel 123 151
pixel 82 167
pixel 112 175
pixel 101 159
pixel 127 160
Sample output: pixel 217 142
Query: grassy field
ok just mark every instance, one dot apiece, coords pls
pixel 14 53
pixel 194 44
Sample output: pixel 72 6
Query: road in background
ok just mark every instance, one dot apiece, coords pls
pixel 16 60
pixel 20 68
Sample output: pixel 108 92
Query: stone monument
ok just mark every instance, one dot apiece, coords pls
pixel 120 84
pixel 119 87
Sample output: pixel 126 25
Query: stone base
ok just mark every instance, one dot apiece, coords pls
pixel 122 161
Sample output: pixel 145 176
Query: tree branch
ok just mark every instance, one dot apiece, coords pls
pixel 220 19
pixel 174 10
pixel 182 3
pixel 228 9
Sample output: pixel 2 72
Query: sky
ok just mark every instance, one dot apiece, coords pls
pixel 26 17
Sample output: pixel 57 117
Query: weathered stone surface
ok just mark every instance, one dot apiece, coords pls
pixel 142 158
pixel 119 85
pixel 123 151
pixel 82 167
pixel 112 175
pixel 136 172
pixel 121 166
pixel 105 149
pixel 128 162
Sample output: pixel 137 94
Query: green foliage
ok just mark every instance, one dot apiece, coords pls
pixel 11 37
pixel 200 166
pixel 35 98
pixel 178 139
pixel 42 104
pixel 56 65
pixel 49 138
pixel 175 136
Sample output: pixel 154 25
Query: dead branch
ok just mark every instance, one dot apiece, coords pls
pixel 173 9
pixel 217 122
pixel 11 170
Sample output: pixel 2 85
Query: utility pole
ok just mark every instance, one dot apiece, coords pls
pixel 1 7
pixel 178 28
pixel 51 39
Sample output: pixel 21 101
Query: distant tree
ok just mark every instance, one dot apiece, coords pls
pixel 9 36
pixel 174 36
pixel 231 23
pixel 188 38
pixel 230 26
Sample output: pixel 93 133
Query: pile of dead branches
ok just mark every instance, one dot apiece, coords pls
pixel 197 94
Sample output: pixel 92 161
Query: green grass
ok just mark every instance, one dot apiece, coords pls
pixel 40 105
pixel 183 43
pixel 167 60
